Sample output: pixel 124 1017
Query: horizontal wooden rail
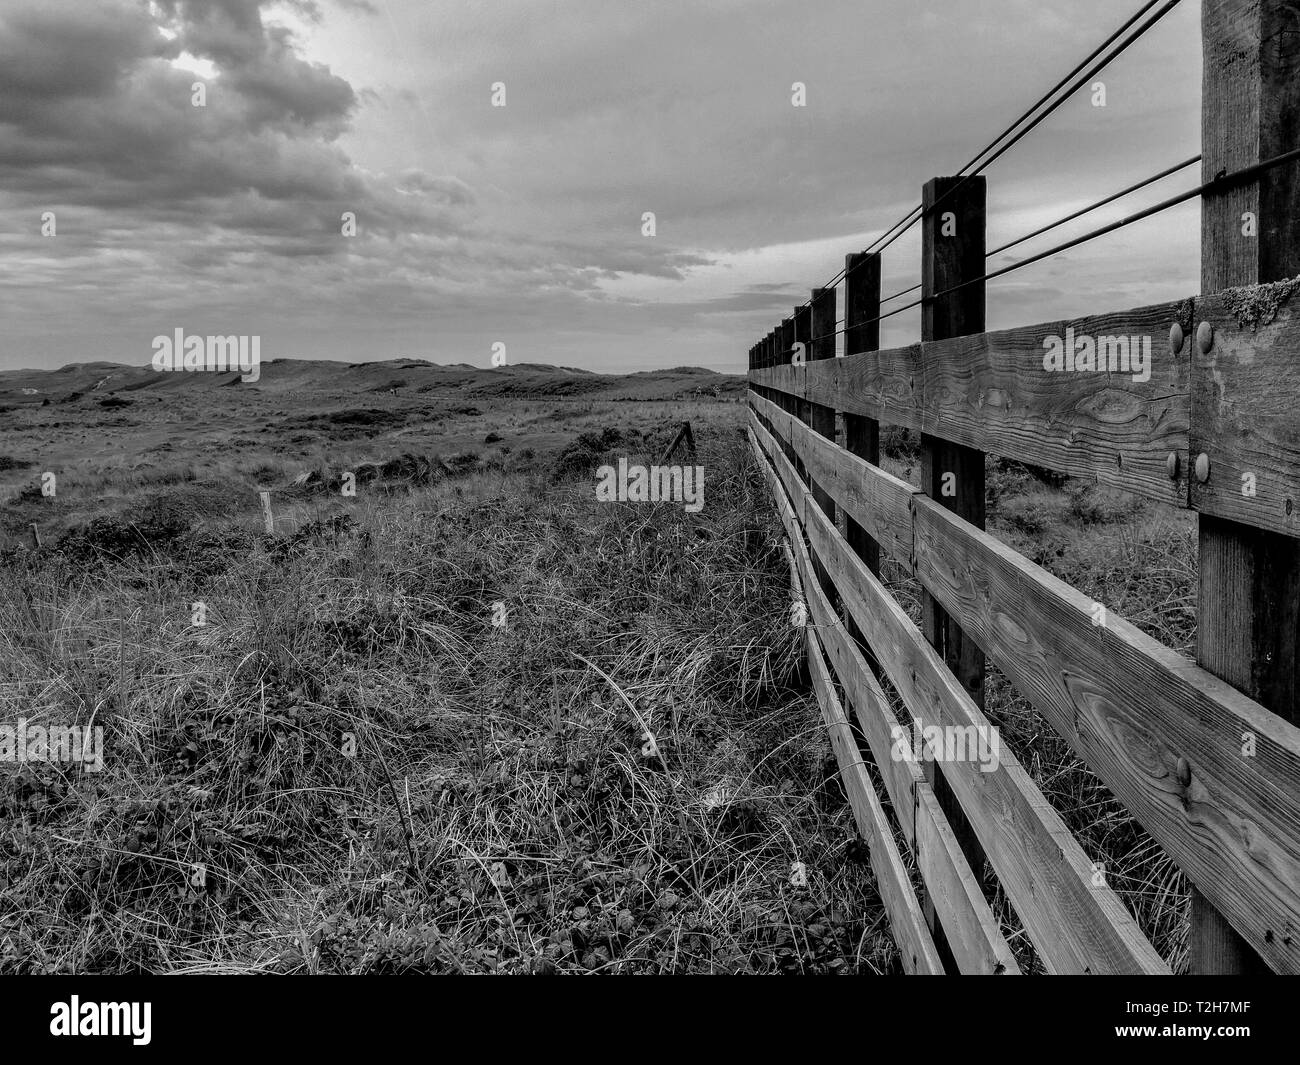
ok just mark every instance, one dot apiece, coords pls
pixel 876 500
pixel 993 391
pixel 1198 409
pixel 916 946
pixel 1208 772
pixel 1075 925
pixel 1166 736
pixel 972 932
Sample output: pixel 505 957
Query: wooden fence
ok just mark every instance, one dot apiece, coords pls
pixel 1206 754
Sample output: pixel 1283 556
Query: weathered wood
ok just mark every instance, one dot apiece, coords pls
pixel 875 717
pixel 821 418
pixel 862 334
pixel 1167 737
pixel 1246 417
pixel 952 254
pixel 1075 925
pixel 790 480
pixel 915 945
pixel 788 380
pixel 682 436
pixel 972 932
pixel 1247 625
pixel 876 384
pixel 801 408
pixel 975 939
pixel 991 392
pixel 875 500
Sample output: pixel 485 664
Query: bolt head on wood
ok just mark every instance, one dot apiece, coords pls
pixel 1175 338
pixel 1202 467
pixel 1205 337
pixel 1171 464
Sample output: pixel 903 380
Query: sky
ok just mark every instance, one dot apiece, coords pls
pixel 523 224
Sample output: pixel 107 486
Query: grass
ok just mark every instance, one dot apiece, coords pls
pixel 348 767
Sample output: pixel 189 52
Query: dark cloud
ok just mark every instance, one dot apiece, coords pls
pixel 523 223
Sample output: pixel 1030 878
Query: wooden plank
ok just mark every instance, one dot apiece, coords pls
pixel 916 947
pixel 1167 737
pixel 971 930
pixel 875 717
pixel 1246 418
pixel 991 392
pixel 1075 926
pixel 787 378
pixel 1247 626
pixel 790 480
pixel 875 384
pixel 975 939
pixel 877 501
pixel 994 392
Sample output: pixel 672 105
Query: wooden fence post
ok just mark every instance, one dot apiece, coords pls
pixel 800 407
pixel 787 402
pixel 821 319
pixel 953 475
pixel 862 333
pixel 1246 623
pixel 953 252
pixel 268 519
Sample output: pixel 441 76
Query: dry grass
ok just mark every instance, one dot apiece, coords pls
pixel 503 809
pixel 373 777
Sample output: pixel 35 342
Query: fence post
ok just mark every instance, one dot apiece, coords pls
pixel 1246 622
pixel 952 240
pixel 952 252
pixel 821 318
pixel 268 519
pixel 800 407
pixel 862 333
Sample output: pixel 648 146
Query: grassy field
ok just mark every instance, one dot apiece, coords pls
pixel 469 718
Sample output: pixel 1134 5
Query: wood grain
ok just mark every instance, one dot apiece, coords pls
pixel 1076 926
pixel 1165 736
pixel 1245 414
pixel 989 391
pixel 971 930
pixel 877 501
pixel 915 945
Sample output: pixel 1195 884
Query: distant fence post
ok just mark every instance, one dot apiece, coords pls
pixel 787 402
pixel 862 333
pixel 801 408
pixel 1246 622
pixel 953 252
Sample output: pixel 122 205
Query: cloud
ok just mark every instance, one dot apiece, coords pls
pixel 523 223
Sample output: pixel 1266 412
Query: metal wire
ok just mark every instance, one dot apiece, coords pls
pixel 913 216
